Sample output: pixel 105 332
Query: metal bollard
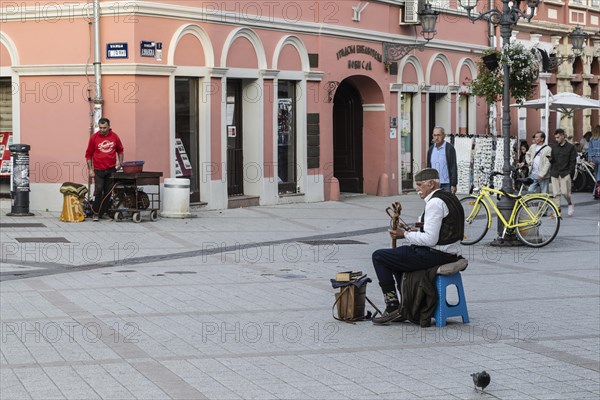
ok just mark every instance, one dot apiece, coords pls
pixel 19 180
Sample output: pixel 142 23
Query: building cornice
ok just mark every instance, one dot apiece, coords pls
pixel 269 73
pixel 82 69
pixel 218 72
pixel 547 28
pixel 130 11
pixel 314 75
pixel 374 107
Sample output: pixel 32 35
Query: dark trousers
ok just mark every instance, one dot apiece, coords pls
pixel 392 263
pixel 446 186
pixel 102 186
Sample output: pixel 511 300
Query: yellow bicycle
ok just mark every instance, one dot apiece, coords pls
pixel 535 219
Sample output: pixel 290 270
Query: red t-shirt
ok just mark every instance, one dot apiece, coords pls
pixel 102 150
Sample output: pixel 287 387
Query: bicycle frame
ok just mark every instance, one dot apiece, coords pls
pixel 484 197
pixel 582 167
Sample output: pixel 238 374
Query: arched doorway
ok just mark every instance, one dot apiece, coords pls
pixel 348 138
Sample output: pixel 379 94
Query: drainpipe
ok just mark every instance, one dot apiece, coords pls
pixel 98 101
pixel 493 108
pixel 491 29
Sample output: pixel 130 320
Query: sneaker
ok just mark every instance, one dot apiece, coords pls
pixel 106 217
pixel 95 218
pixel 393 316
pixel 571 210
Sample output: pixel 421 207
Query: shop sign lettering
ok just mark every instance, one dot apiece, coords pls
pixel 357 64
pixel 359 49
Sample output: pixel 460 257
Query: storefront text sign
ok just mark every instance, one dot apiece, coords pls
pixel 359 49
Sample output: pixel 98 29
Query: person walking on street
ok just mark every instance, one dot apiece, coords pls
pixel 436 243
pixel 442 157
pixel 563 160
pixel 522 168
pixel 585 142
pixel 104 155
pixel 594 157
pixel 538 158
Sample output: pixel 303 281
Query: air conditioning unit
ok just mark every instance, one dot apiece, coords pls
pixel 410 15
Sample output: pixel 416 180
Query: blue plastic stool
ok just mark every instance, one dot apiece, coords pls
pixel 445 310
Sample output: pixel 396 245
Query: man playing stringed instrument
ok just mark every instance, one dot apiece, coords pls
pixel 435 243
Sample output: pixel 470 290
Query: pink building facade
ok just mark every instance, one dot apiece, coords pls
pixel 254 102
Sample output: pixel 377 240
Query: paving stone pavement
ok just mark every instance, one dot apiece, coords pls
pixel 236 304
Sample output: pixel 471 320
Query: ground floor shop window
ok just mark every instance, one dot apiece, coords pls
pixel 463 114
pixel 187 121
pixel 406 140
pixel 286 136
pixel 6 129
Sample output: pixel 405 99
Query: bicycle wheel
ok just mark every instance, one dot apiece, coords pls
pixel 540 219
pixel 477 217
pixel 579 181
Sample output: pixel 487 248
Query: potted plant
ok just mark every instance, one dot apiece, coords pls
pixel 491 60
pixel 490 81
pixel 524 70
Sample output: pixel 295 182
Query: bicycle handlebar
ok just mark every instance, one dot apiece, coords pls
pixel 493 173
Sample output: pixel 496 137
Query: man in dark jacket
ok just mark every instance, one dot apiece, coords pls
pixel 436 243
pixel 442 156
pixel 562 167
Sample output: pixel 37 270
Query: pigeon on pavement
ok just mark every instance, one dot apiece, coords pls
pixel 481 379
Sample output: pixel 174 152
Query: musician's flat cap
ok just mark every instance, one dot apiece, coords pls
pixel 427 174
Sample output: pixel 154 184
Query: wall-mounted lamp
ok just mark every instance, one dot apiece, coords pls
pixel 577 39
pixel 428 17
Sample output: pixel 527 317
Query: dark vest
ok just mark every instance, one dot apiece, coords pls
pixel 453 225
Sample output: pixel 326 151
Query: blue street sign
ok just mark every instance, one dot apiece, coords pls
pixel 116 50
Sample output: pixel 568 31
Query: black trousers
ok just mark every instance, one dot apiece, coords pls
pixel 390 264
pixel 102 186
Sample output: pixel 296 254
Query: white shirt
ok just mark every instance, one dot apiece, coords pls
pixel 584 145
pixel 436 210
pixel 535 167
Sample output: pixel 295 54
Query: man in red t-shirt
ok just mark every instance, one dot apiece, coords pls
pixel 104 156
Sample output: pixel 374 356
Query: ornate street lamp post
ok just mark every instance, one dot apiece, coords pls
pixel 510 14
